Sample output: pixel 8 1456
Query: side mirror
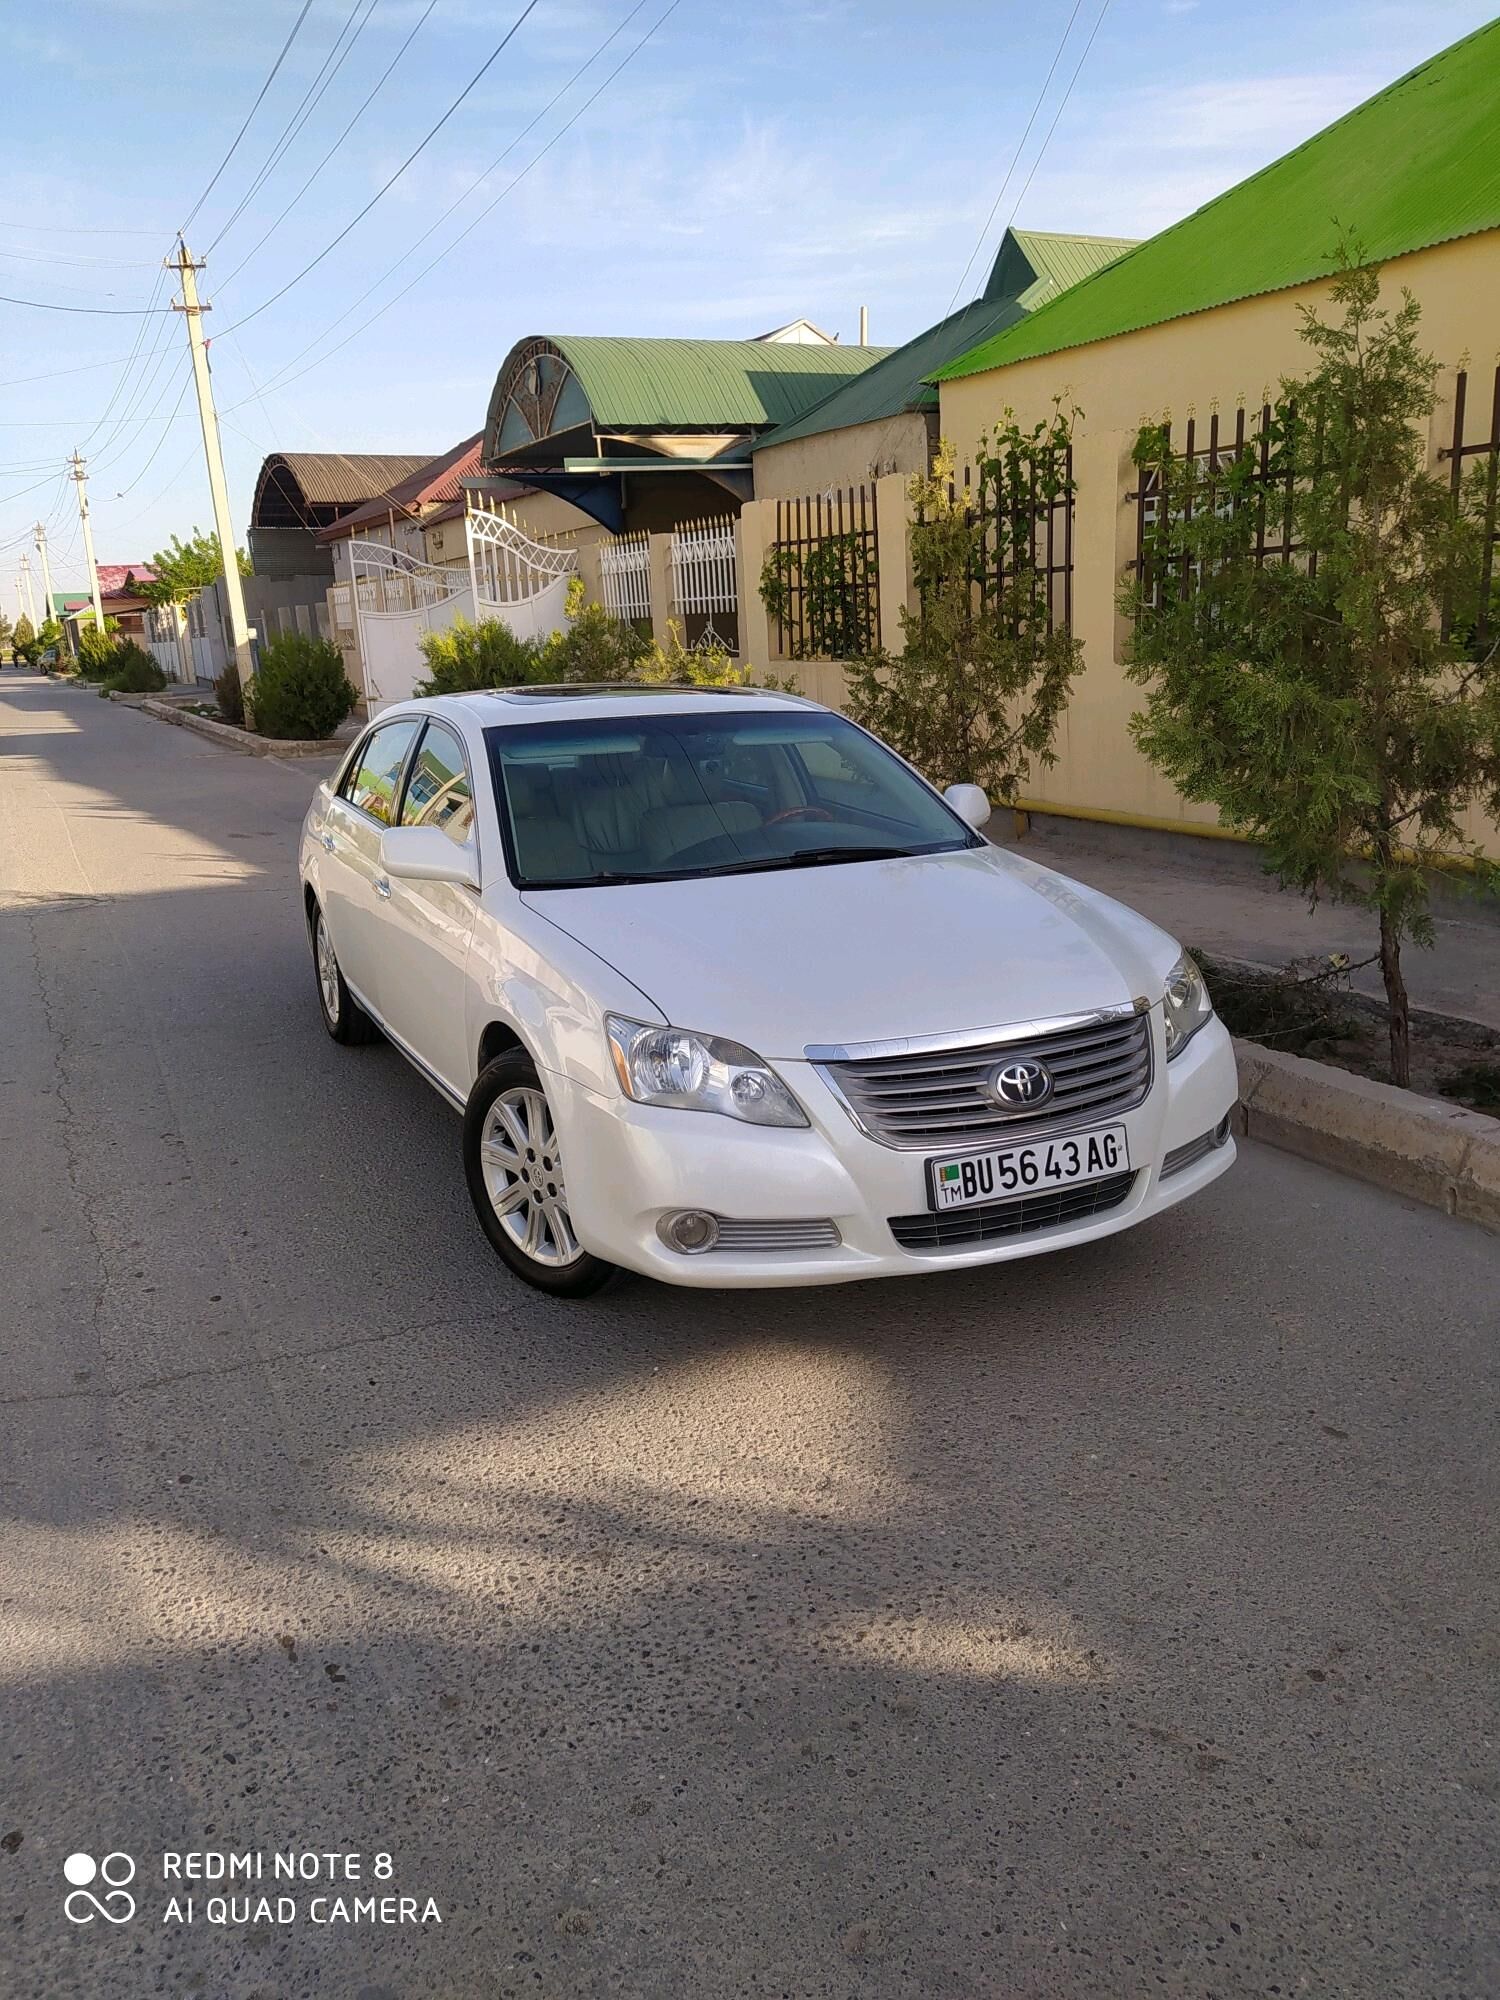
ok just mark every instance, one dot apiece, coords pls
pixel 971 805
pixel 426 854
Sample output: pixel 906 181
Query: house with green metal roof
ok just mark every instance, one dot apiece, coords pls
pixel 643 433
pixel 885 419
pixel 1199 326
pixel 1414 166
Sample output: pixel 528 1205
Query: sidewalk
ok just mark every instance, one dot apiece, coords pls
pixel 1213 894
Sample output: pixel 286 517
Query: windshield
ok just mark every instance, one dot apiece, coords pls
pixel 659 797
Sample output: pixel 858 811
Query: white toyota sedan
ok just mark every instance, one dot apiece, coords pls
pixel 729 995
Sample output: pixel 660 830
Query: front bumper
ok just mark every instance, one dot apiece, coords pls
pixel 629 1164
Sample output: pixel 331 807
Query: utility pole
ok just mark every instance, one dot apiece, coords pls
pixel 81 480
pixel 41 549
pixel 26 590
pixel 239 627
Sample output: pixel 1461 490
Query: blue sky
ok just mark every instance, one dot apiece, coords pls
pixel 752 163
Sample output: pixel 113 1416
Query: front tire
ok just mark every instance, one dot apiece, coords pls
pixel 343 1016
pixel 514 1167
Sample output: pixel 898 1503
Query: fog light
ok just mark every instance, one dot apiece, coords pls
pixel 689 1230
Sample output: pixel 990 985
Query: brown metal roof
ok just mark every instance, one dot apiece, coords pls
pixel 308 489
pixel 346 479
pixel 435 480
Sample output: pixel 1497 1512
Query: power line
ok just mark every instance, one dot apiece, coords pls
pixel 53 374
pixel 213 183
pixel 107 312
pixel 166 431
pixel 281 379
pixel 332 149
pixel 1061 108
pixel 1016 156
pixel 311 97
pixel 256 311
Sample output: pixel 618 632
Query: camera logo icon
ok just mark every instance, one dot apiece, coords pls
pixel 114 1902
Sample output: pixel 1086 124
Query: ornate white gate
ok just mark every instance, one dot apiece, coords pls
pixel 397 601
pixel 521 582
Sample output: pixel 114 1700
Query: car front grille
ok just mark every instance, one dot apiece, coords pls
pixel 937 1098
pixel 736 1233
pixel 988 1222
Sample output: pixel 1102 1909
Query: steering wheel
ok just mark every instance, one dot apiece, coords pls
pixel 797 812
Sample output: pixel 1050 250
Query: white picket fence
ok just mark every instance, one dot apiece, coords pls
pixel 625 576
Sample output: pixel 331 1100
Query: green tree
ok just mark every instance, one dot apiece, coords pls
pixel 975 695
pixel 184 568
pixel 1331 706
pixel 23 640
pixel 4 632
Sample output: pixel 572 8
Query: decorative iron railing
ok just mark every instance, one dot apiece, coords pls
pixel 821 581
pixel 625 577
pixel 388 581
pixel 1026 535
pixel 1485 470
pixel 508 566
pixel 701 565
pixel 1176 485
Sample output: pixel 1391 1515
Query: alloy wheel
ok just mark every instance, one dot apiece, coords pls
pixel 523 1177
pixel 328 972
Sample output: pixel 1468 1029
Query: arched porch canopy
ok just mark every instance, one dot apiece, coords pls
pixel 582 414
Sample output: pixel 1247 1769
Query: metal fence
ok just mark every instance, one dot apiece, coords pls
pixel 625 577
pixel 703 579
pixel 1484 452
pixel 821 583
pixel 1026 532
pixel 510 566
pixel 1197 479
pixel 700 563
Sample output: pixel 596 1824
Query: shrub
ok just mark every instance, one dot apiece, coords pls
pixel 135 672
pixel 594 646
pixel 97 650
pixel 486 655
pixel 230 695
pixel 683 666
pixel 976 694
pixel 300 688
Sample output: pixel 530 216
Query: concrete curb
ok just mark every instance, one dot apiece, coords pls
pixel 1430 1151
pixel 230 738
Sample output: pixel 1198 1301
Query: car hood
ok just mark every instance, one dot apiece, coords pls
pixel 928 944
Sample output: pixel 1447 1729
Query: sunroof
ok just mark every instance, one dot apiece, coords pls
pixel 595 690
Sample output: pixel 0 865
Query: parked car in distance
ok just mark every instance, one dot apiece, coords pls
pixel 729 995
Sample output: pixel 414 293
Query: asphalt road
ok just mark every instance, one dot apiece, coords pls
pixel 1121 1623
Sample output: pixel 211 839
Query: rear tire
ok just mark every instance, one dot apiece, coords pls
pixel 343 1017
pixel 514 1168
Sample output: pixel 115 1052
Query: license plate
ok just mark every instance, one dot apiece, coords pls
pixel 1033 1169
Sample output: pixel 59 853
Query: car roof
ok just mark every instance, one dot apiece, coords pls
pixel 585 700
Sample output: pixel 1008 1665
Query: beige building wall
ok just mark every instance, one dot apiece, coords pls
pixel 1187 368
pixel 843 457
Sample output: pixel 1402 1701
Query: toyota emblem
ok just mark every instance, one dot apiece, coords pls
pixel 1022 1084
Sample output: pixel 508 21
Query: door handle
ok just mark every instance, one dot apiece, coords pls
pixel 382 886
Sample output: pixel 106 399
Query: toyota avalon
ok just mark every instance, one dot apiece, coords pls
pixel 728 994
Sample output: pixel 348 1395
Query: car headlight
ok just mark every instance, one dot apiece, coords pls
pixel 698 1073
pixel 1185 1005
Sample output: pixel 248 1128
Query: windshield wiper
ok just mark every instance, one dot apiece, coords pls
pixel 815 857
